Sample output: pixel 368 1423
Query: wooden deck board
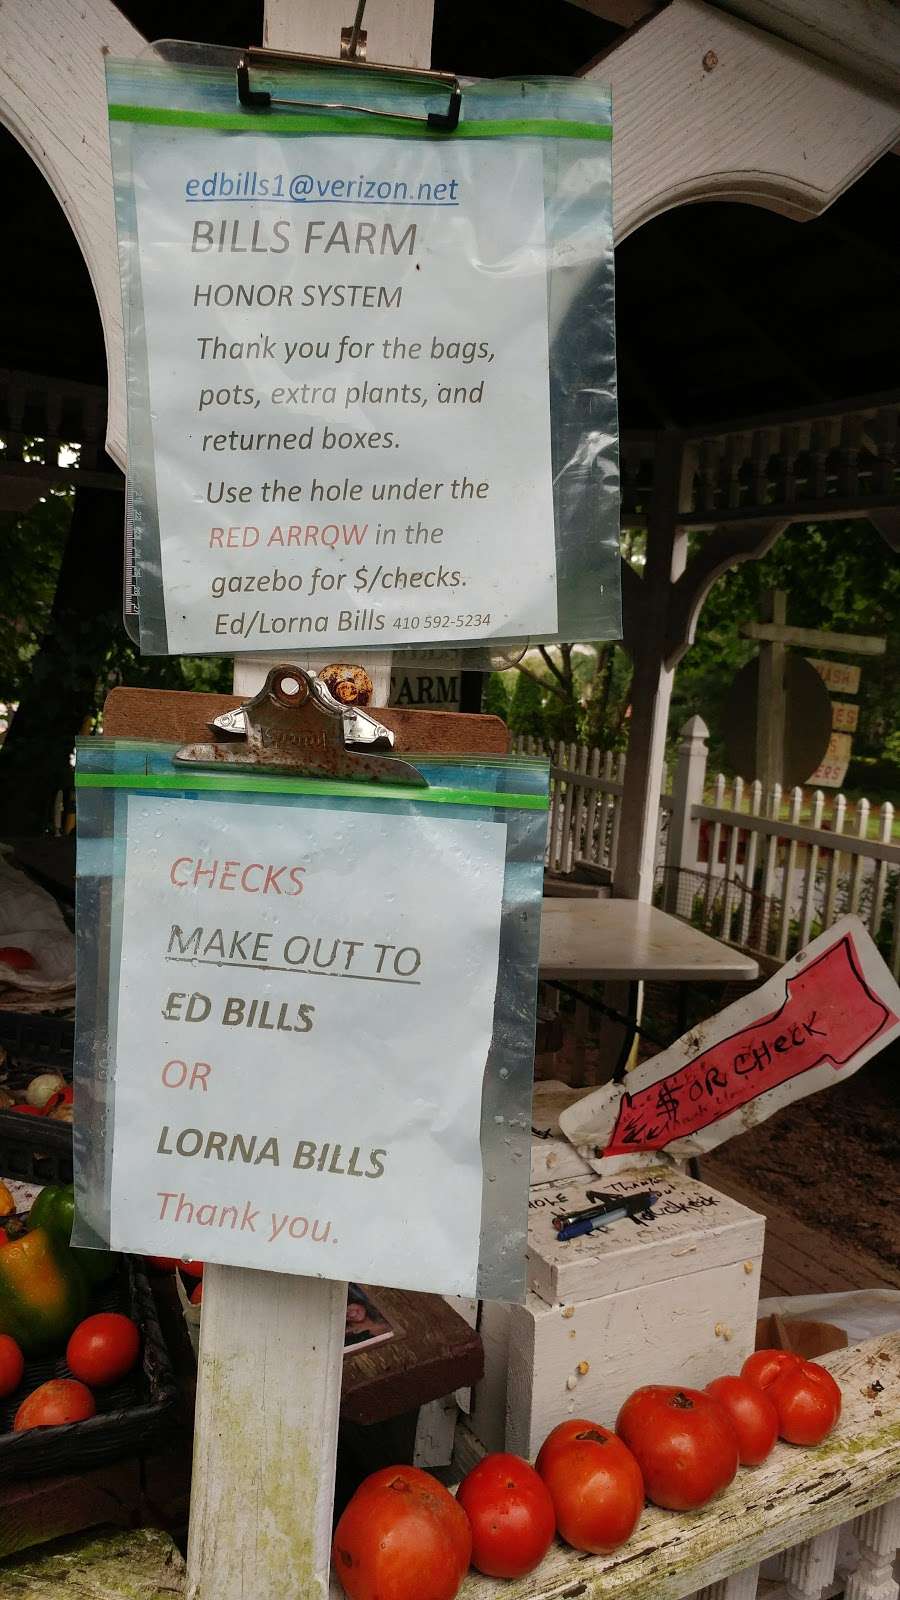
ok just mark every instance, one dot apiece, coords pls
pixel 798 1259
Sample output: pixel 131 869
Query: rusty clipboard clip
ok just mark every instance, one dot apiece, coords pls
pixel 263 100
pixel 295 724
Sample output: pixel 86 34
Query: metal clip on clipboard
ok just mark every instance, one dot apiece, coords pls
pixel 295 724
pixel 263 100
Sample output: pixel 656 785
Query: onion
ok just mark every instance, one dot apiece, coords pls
pixel 42 1087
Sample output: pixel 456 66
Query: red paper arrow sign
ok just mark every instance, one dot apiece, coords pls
pixel 829 1014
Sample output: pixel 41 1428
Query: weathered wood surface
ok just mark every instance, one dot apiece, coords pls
pixel 432 1353
pixel 37 1509
pixel 862 36
pixel 141 1565
pixel 180 718
pixel 709 108
pixel 794 1496
pixel 399 31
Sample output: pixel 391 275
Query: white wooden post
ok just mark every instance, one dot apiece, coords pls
pixel 809 1566
pixel 878 1533
pixel 683 843
pixel 271 1345
pixel 651 686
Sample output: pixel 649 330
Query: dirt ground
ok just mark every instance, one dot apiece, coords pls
pixel 833 1159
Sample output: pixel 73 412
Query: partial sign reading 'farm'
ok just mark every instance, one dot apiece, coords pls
pixel 815 1023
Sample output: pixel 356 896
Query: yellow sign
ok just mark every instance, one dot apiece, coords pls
pixel 832 770
pixel 838 675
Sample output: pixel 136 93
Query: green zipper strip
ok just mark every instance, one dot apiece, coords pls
pixel 299 122
pixel 237 783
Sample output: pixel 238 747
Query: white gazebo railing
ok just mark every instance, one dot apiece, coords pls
pixel 829 461
pixel 52 432
pixel 763 872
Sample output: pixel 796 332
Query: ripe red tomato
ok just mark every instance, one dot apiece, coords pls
pixel 808 1403
pixel 684 1442
pixel 103 1348
pixel 753 1417
pixel 402 1537
pixel 511 1515
pixel 595 1484
pixel 60 1400
pixel 12 1364
pixel 764 1366
pixel 196 1294
pixel 12 955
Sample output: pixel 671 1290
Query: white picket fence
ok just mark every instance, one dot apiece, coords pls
pixel 766 873
pixel 586 787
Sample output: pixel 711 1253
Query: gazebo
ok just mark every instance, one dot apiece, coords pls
pixel 772 122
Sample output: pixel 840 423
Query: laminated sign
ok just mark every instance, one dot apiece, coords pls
pixel 306 1010
pixel 816 1022
pixel 371 373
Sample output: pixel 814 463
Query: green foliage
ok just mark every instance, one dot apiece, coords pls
pixel 495 700
pixel 526 711
pixel 33 546
pixel 32 551
pixel 837 575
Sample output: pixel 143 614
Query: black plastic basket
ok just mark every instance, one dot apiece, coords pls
pixel 38 1041
pixel 34 1149
pixel 130 1415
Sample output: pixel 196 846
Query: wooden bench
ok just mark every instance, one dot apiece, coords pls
pixel 141 1565
pixel 794 1506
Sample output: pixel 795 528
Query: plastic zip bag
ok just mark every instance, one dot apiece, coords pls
pixel 237 1100
pixel 466 493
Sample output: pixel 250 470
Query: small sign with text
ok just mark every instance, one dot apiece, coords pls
pixel 814 1024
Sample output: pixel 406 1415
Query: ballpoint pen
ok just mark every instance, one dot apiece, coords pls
pixel 609 1208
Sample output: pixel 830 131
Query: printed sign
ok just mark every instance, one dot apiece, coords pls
pixel 838 675
pixel 300 1042
pixel 348 385
pixel 832 770
pixel 845 716
pixel 430 681
pixel 815 1023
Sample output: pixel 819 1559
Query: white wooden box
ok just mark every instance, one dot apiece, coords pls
pixel 553 1158
pixel 670 1301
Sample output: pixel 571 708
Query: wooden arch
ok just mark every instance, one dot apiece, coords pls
pixel 706 107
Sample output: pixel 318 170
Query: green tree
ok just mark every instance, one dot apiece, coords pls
pixel 837 575
pixel 495 700
pixel 526 711
pixel 63 644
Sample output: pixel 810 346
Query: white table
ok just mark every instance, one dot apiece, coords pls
pixel 625 941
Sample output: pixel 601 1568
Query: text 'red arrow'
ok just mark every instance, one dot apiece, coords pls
pixel 829 1013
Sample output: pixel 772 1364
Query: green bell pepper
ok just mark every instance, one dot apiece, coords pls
pixel 54 1210
pixel 43 1293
